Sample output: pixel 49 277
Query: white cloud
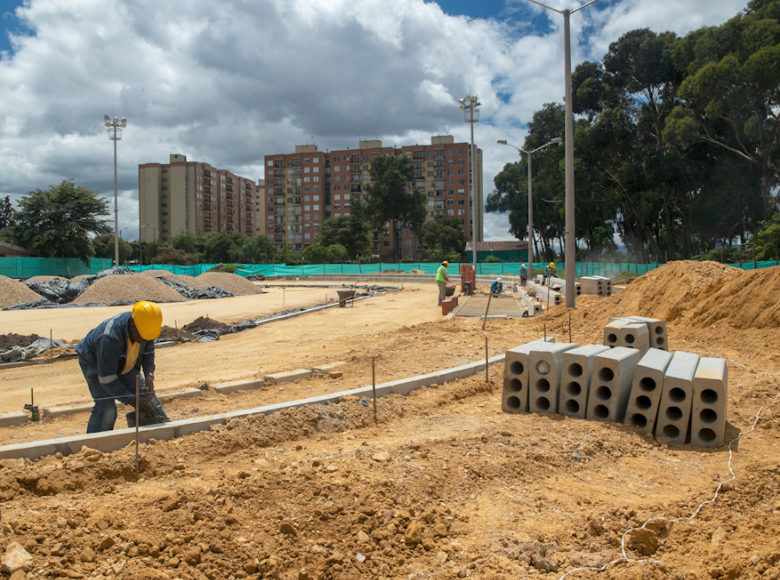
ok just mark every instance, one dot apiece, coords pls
pixel 232 81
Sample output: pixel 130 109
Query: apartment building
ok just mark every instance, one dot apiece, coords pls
pixel 191 197
pixel 305 188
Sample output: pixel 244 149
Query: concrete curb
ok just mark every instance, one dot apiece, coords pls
pixel 63 411
pixel 288 376
pixel 13 419
pixel 115 440
pixel 236 386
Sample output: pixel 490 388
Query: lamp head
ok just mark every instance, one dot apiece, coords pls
pixel 105 118
pixel 124 122
pixel 502 142
pixel 557 140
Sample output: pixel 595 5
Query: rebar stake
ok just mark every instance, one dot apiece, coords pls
pixel 545 332
pixel 569 327
pixel 373 387
pixel 487 378
pixel 137 420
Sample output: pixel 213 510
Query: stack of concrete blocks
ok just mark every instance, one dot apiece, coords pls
pixel 514 398
pixel 656 328
pixel 610 384
pixel 629 333
pixel 562 283
pixel 646 391
pixel 575 382
pixel 607 283
pixel 674 411
pixel 544 380
pixel 594 285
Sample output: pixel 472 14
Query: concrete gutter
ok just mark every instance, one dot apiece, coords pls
pixel 115 440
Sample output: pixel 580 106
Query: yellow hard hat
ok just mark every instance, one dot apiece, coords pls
pixel 148 319
pixel 552 264
pixel 446 263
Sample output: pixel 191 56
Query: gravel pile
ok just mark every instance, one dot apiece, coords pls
pixel 233 283
pixel 131 287
pixel 13 292
pixel 190 281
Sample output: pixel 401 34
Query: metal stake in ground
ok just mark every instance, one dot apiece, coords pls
pixel 545 332
pixel 484 322
pixel 373 386
pixel 51 345
pixel 487 379
pixel 569 326
pixel 137 419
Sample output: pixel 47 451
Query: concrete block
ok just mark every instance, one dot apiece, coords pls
pixel 287 377
pixel 612 331
pixel 544 380
pixel 236 386
pixel 592 285
pixel 635 335
pixel 646 390
pixel 606 284
pixel 657 329
pixel 710 395
pixel 514 398
pixel 674 412
pixel 575 381
pixel 13 419
pixel 610 384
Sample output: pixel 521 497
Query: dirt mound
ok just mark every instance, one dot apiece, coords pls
pixel 130 287
pixel 203 323
pixel 10 340
pixel 159 273
pixel 177 334
pixel 233 283
pixel 13 292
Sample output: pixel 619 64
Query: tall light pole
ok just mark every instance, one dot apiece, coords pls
pixel 571 244
pixel 115 127
pixel 468 105
pixel 520 150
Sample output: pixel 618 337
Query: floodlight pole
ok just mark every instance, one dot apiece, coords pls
pixel 115 127
pixel 468 105
pixel 571 243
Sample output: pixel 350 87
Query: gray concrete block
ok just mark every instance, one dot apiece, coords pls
pixel 607 284
pixel 287 377
pixel 514 398
pixel 612 331
pixel 657 329
pixel 710 396
pixel 635 335
pixel 592 285
pixel 674 412
pixel 610 384
pixel 544 380
pixel 646 390
pixel 575 380
pixel 13 419
pixel 236 386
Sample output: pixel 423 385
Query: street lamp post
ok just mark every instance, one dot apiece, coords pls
pixel 520 150
pixel 115 127
pixel 468 105
pixel 571 249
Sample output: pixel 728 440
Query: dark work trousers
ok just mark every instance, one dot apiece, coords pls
pixel 104 413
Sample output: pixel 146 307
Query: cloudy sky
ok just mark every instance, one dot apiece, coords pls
pixel 231 81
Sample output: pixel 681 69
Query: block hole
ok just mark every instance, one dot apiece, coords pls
pixel 516 368
pixel 543 404
pixel 601 411
pixel 708 416
pixel 674 413
pixel 542 385
pixel 660 341
pixel 515 385
pixel 659 330
pixel 572 406
pixel 513 403
pixel 647 384
pixel 604 393
pixel 573 389
pixel 644 402
pixel 671 432
pixel 630 338
pixel 575 369
pixel 639 420
pixel 606 374
pixel 709 397
pixel 677 395
pixel 612 338
pixel 542 367
pixel 707 435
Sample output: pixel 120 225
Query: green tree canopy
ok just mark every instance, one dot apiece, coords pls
pixel 444 238
pixel 103 246
pixel 7 212
pixel 347 231
pixel 58 222
pixel 255 250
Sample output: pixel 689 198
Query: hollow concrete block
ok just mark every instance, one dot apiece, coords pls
pixel 612 331
pixel 710 394
pixel 657 329
pixel 635 335
pixel 606 283
pixel 592 285
pixel 575 380
pixel 674 412
pixel 514 398
pixel 610 384
pixel 544 380
pixel 646 390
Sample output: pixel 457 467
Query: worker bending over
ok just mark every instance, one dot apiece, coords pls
pixel 497 287
pixel 549 272
pixel 111 357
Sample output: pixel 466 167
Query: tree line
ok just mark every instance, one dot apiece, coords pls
pixel 68 220
pixel 677 147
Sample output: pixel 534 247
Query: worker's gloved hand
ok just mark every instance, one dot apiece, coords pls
pixel 144 406
pixel 149 382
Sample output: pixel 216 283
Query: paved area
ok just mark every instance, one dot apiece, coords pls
pixel 503 305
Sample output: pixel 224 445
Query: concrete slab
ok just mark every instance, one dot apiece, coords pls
pixel 710 397
pixel 646 390
pixel 544 380
pixel 635 335
pixel 236 386
pixel 575 381
pixel 287 377
pixel 13 419
pixel 610 384
pixel 674 412
pixel 514 398
pixel 501 305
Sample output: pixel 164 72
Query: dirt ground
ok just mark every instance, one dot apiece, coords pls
pixel 445 486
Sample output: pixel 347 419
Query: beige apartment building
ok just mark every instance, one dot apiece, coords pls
pixel 191 197
pixel 304 188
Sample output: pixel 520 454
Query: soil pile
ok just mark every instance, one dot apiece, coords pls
pixel 204 323
pixel 11 340
pixel 233 283
pixel 177 334
pixel 13 292
pixel 130 287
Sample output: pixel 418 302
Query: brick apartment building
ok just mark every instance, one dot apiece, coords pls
pixel 303 189
pixel 190 197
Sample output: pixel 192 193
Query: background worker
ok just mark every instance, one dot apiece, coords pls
pixel 441 280
pixel 111 356
pixel 549 272
pixel 523 275
pixel 497 287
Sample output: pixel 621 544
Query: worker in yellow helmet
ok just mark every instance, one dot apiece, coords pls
pixel 549 272
pixel 111 357
pixel 441 280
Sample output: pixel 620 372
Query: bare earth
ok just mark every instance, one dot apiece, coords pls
pixel 446 486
